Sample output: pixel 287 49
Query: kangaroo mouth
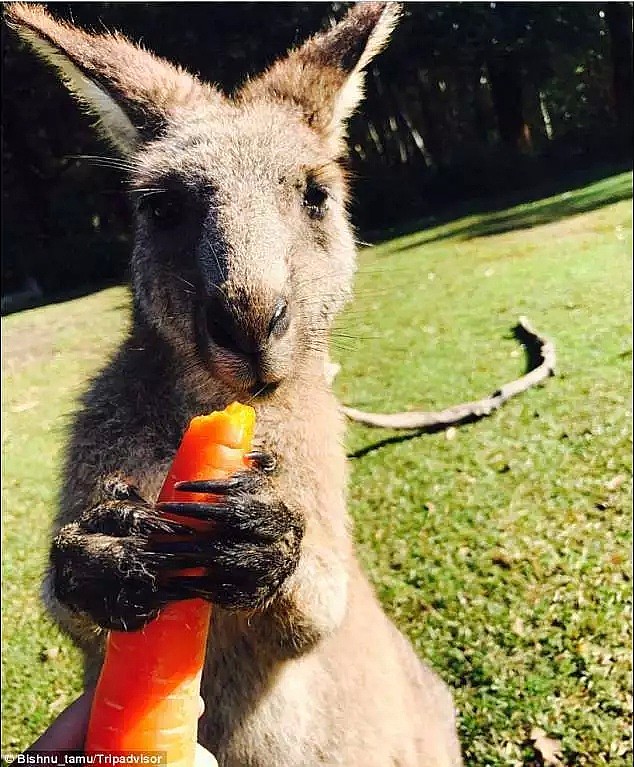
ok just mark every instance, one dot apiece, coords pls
pixel 249 374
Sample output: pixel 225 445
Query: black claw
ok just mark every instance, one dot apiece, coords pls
pixel 239 482
pixel 242 516
pixel 206 511
pixel 212 486
pixel 177 551
pixel 155 525
pixel 264 461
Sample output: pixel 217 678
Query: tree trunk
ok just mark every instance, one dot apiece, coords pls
pixel 619 20
pixel 28 203
pixel 432 118
pixel 483 117
pixel 505 77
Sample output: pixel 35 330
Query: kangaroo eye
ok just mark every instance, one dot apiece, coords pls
pixel 167 212
pixel 315 200
pixel 165 209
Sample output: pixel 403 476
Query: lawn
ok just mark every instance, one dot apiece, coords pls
pixel 502 548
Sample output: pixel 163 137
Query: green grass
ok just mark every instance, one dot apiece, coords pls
pixel 502 552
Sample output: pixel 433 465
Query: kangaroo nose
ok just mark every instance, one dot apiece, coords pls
pixel 246 329
pixel 280 320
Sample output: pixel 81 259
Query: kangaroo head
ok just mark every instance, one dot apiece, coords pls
pixel 243 252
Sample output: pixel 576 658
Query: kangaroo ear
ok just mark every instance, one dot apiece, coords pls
pixel 324 77
pixel 132 92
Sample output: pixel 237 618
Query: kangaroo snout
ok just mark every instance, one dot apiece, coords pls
pixel 247 337
pixel 246 329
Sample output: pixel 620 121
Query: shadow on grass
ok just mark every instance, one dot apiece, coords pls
pixel 547 203
pixel 389 441
pixel 19 302
pixel 396 438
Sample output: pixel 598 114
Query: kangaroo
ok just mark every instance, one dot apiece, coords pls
pixel 243 255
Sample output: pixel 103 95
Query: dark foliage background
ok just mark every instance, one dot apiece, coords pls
pixel 470 101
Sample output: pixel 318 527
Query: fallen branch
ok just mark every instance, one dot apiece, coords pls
pixel 541 359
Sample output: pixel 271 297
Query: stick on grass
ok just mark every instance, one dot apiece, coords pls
pixel 541 360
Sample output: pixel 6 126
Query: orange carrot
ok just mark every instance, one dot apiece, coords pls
pixel 147 696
